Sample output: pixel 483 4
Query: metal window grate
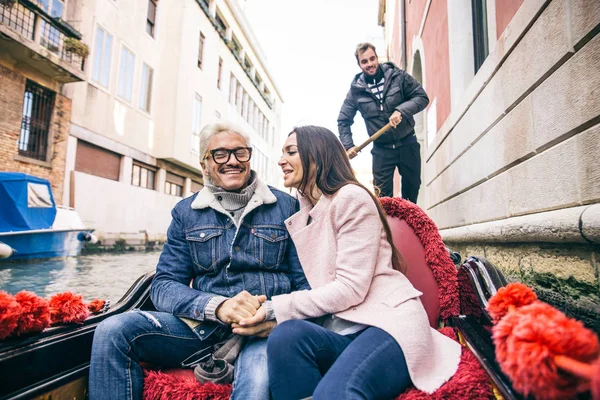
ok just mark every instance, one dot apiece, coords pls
pixel 38 104
pixel 19 19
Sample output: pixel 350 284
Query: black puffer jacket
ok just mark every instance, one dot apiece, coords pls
pixel 401 92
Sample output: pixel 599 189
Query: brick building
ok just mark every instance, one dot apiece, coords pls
pixel 35 62
pixel 511 138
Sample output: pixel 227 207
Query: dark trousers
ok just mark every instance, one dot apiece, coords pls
pixel 408 161
pixel 306 359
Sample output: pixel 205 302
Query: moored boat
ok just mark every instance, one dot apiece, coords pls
pixel 32 226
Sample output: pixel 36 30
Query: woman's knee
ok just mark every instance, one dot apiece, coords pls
pixel 288 333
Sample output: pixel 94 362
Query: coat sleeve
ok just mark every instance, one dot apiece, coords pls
pixel 346 119
pixel 355 219
pixel 415 98
pixel 171 291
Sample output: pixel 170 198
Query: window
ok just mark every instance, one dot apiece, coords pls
pixel 232 88
pixel 146 88
pixel 102 55
pixel 245 106
pixel 480 32
pixel 238 97
pixel 174 184
pixel 219 73
pixel 200 49
pixel 38 104
pixel 50 37
pixel 196 124
pixel 151 18
pixel 143 175
pixel 126 74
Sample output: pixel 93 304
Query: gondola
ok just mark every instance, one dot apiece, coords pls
pixel 54 364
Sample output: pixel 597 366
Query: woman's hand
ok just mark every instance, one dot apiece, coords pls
pixel 259 317
pixel 261 330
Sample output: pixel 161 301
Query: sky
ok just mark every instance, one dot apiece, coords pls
pixel 309 46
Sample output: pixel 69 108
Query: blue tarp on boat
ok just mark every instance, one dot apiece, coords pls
pixel 26 202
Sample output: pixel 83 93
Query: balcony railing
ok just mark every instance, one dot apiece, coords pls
pixel 30 21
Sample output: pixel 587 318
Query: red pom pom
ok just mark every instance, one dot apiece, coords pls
pixel 514 294
pixel 596 381
pixel 532 336
pixel 9 314
pixel 96 305
pixel 68 307
pixel 35 313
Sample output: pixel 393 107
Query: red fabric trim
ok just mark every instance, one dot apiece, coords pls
pixel 436 255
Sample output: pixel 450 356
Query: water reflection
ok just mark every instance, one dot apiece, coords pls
pixel 103 276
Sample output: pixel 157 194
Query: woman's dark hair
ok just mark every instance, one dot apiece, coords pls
pixel 320 147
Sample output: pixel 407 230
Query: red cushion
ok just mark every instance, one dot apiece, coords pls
pixel 418 272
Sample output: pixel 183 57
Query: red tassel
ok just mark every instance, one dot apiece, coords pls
pixel 35 313
pixel 514 294
pixel 596 380
pixel 9 314
pixel 68 307
pixel 528 339
pixel 96 305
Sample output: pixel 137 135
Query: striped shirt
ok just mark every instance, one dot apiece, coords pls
pixel 377 89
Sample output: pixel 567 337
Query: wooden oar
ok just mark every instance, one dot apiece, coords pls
pixel 373 137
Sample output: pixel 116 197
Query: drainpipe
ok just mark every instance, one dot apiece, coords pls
pixel 403 29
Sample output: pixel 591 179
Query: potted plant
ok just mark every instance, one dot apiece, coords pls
pixel 7 3
pixel 72 45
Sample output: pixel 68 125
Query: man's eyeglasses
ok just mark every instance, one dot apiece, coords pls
pixel 222 156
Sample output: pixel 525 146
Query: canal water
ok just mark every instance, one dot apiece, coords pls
pixel 104 276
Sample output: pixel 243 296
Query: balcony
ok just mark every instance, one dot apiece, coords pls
pixel 32 37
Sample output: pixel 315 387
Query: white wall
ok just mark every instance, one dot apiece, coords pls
pixel 131 209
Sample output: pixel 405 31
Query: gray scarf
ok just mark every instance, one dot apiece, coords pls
pixel 234 202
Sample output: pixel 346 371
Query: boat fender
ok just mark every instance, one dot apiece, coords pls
pixel 5 250
pixel 88 237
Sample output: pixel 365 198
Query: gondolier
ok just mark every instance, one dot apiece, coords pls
pixel 384 93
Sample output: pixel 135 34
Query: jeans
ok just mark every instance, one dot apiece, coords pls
pixel 251 377
pixel 407 159
pixel 306 360
pixel 123 341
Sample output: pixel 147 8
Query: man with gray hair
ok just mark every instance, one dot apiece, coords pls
pixel 227 252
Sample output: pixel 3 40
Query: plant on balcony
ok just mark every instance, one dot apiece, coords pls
pixel 72 45
pixel 7 3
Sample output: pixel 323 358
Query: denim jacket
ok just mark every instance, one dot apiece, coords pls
pixel 207 254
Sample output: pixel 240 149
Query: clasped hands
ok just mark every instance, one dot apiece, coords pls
pixel 246 315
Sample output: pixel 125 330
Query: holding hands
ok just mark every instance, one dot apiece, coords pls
pixel 241 306
pixel 246 315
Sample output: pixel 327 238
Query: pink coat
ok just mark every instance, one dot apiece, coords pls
pixel 347 261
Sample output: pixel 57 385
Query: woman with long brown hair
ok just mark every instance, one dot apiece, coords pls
pixel 373 338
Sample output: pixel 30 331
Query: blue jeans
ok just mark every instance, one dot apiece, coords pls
pixel 251 377
pixel 123 341
pixel 306 360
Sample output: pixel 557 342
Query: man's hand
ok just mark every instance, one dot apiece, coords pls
pixel 241 306
pixel 352 152
pixel 395 119
pixel 261 330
